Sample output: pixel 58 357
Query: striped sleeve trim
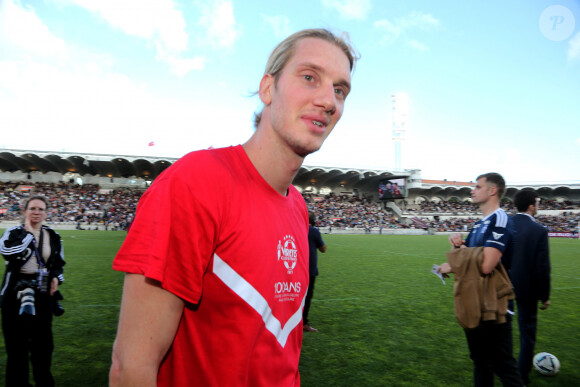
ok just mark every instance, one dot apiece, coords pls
pixel 501 218
pixel 14 249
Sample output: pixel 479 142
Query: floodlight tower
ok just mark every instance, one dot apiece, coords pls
pixel 400 118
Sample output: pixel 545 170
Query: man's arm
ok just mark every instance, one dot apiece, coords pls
pixel 456 240
pixel 319 242
pixel 148 322
pixel 491 257
pixel 543 269
pixel 16 245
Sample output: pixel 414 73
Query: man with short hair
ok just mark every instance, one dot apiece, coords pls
pixel 490 344
pixel 208 300
pixel 530 274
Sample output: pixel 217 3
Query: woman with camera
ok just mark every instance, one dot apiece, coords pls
pixel 29 294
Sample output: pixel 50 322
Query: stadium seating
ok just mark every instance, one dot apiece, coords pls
pixel 90 206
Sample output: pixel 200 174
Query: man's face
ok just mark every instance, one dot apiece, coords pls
pixel 536 206
pixel 482 191
pixel 307 100
pixel 36 211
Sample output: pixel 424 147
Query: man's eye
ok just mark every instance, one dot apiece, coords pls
pixel 308 77
pixel 340 92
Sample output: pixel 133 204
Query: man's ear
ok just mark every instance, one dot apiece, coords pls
pixel 266 86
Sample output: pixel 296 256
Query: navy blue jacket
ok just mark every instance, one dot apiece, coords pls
pixel 314 242
pixel 530 268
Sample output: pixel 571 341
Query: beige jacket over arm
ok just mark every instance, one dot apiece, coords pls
pixel 478 297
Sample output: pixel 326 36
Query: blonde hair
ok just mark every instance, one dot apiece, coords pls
pixel 285 50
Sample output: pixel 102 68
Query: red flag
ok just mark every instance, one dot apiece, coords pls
pixel 151 143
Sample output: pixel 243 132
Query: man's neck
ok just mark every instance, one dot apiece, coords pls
pixel 529 213
pixel 277 168
pixel 488 208
pixel 33 227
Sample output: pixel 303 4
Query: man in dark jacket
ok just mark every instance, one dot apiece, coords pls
pixel 530 274
pixel 315 243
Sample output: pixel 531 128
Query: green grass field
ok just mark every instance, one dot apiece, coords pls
pixel 384 319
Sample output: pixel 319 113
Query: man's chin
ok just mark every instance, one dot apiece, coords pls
pixel 304 150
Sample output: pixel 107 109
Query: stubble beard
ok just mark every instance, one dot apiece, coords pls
pixel 478 202
pixel 301 148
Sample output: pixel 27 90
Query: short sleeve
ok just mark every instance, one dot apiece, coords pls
pixel 174 233
pixel 498 237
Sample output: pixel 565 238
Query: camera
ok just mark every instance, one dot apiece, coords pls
pixel 57 308
pixel 25 294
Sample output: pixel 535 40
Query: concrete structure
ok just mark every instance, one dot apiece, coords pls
pixel 111 171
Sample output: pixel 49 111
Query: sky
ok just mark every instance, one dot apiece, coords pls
pixel 491 86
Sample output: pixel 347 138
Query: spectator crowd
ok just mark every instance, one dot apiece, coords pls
pixel 468 208
pixel 89 206
pixel 347 211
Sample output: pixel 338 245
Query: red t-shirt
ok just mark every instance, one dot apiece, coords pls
pixel 217 235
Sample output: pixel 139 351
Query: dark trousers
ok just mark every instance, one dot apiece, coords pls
pixel 309 295
pixel 527 322
pixel 26 335
pixel 491 349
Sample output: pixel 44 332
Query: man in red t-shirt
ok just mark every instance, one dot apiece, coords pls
pixel 217 256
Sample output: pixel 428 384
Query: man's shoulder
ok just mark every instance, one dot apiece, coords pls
pixel 520 218
pixel 499 218
pixel 523 221
pixel 314 231
pixel 50 231
pixel 203 162
pixel 540 229
pixel 209 156
pixel 14 228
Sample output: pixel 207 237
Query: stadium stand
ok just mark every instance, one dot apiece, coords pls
pixel 90 206
pixel 102 191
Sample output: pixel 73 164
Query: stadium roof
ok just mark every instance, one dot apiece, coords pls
pixel 82 163
pixel 149 167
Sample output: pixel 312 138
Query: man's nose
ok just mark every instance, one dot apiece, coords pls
pixel 326 98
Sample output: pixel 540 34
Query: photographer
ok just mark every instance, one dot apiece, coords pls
pixel 29 294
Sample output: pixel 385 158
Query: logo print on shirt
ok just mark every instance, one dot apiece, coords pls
pixel 287 253
pixel 496 235
pixel 280 329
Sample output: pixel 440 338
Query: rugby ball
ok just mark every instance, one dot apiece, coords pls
pixel 546 363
